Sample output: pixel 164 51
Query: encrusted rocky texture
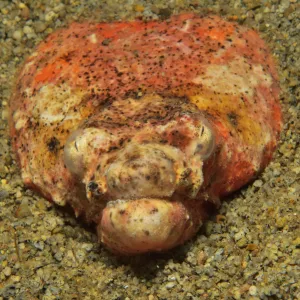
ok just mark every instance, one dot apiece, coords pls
pixel 248 251
pixel 140 125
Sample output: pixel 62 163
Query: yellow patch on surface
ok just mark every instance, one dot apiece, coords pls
pixel 236 115
pixel 58 111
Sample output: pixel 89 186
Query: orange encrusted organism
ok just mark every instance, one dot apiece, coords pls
pixel 140 126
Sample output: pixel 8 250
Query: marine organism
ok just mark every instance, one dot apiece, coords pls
pixel 141 126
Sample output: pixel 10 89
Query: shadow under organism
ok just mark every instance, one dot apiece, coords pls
pixel 144 266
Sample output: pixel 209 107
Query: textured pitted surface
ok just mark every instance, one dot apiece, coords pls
pixel 250 250
pixel 139 125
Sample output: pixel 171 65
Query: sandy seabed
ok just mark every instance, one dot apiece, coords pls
pixel 248 250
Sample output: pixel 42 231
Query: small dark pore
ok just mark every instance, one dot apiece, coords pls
pixel 153 211
pixel 92 186
pixel 199 148
pixel 106 42
pixel 202 130
pixel 233 118
pixel 53 144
